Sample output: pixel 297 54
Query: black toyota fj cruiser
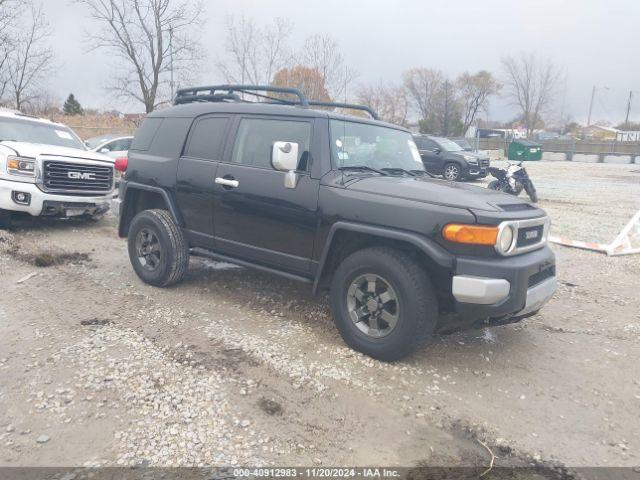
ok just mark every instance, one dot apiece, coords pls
pixel 341 202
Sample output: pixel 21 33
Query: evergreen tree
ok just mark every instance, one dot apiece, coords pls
pixel 72 106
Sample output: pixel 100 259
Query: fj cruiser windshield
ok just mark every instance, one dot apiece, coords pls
pixel 364 145
pixel 38 132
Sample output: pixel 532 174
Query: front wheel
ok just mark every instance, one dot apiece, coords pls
pixel 452 172
pixel 531 191
pixel 5 219
pixel 158 251
pixel 383 303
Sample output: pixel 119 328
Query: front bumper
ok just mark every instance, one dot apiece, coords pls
pixel 41 203
pixel 498 289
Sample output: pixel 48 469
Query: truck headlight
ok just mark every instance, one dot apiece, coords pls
pixel 505 241
pixel 470 159
pixel 21 166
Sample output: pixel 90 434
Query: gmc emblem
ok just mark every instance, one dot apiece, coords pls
pixel 81 175
pixel 530 235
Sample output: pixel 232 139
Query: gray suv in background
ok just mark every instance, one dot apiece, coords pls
pixel 445 157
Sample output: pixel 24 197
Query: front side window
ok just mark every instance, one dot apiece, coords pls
pixel 29 131
pixel 256 137
pixel 364 145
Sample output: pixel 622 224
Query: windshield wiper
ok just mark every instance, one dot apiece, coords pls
pixel 7 140
pixel 363 168
pixel 398 169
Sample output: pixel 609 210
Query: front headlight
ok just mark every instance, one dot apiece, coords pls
pixel 505 240
pixel 21 166
pixel 470 159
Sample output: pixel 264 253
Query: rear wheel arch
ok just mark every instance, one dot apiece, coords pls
pixel 137 198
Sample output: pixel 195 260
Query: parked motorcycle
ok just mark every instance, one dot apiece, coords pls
pixel 513 180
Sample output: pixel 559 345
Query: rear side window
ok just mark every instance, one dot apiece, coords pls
pixel 207 138
pixel 256 137
pixel 170 137
pixel 145 133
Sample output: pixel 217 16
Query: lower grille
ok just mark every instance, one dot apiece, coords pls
pixel 541 276
pixel 76 178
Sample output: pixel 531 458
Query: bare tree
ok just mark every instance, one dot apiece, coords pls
pixel 474 92
pixel 29 60
pixel 158 41
pixel 390 101
pixel 422 86
pixel 322 53
pixel 531 83
pixel 10 12
pixel 255 54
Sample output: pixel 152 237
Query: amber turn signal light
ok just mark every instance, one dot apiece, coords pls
pixel 471 234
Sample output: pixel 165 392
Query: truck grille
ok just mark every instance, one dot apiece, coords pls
pixel 76 178
pixel 485 162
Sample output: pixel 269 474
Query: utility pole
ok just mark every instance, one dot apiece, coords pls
pixel 171 83
pixel 593 95
pixel 626 120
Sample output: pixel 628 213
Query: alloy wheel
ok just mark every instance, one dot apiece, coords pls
pixel 452 172
pixel 148 249
pixel 373 305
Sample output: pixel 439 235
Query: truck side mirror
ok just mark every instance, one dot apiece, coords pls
pixel 284 157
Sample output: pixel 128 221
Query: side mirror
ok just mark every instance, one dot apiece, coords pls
pixel 437 151
pixel 284 157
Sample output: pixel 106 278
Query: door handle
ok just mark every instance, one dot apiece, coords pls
pixel 227 182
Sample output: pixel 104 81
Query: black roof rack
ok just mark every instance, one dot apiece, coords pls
pixel 222 93
pixel 350 106
pixel 208 94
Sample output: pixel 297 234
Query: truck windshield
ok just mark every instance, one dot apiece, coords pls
pixel 357 144
pixel 28 131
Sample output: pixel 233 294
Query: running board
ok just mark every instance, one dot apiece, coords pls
pixel 201 252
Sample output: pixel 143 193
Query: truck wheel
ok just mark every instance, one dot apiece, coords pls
pixel 383 303
pixel 5 219
pixel 452 172
pixel 158 250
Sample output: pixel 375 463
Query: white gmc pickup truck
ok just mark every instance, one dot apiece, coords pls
pixel 45 169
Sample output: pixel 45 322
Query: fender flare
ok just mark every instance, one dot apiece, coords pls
pixel 435 252
pixel 125 187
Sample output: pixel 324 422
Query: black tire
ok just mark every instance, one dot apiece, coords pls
pixel 416 307
pixel 452 171
pixel 531 191
pixel 172 260
pixel 5 219
pixel 494 185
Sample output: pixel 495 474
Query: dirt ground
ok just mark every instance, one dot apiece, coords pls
pixel 235 367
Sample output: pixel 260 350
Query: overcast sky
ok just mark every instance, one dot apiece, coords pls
pixel 595 41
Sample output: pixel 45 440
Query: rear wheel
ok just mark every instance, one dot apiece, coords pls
pixel 452 172
pixel 383 303
pixel 158 251
pixel 495 185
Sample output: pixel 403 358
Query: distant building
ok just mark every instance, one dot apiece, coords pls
pixel 598 132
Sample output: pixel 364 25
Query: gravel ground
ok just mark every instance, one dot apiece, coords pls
pixel 235 367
